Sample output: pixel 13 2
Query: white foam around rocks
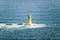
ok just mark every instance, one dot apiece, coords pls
pixel 11 26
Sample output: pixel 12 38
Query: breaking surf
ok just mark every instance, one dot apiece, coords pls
pixel 15 26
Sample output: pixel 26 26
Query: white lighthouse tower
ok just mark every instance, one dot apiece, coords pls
pixel 29 20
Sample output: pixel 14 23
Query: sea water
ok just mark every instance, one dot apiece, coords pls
pixel 46 12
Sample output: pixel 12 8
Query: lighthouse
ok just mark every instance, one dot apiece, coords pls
pixel 29 20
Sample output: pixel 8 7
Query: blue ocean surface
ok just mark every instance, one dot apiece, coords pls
pixel 43 12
